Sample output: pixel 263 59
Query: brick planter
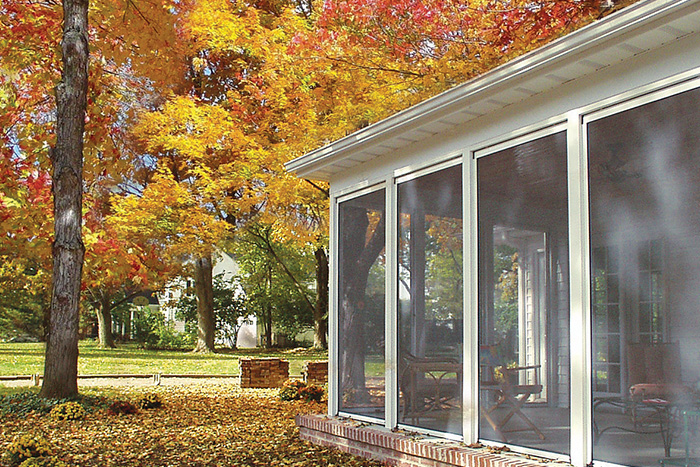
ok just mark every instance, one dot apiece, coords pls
pixel 403 449
pixel 315 372
pixel 263 372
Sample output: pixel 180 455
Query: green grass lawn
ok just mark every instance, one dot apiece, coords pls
pixel 27 359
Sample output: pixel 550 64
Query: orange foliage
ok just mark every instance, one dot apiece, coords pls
pixel 125 37
pixel 194 106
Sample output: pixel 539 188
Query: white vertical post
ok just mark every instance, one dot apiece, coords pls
pixel 470 350
pixel 333 390
pixel 580 322
pixel 391 333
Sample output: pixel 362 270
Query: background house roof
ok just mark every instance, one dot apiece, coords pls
pixel 644 26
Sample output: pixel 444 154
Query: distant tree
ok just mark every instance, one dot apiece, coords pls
pixel 24 301
pixel 230 311
pixel 229 305
pixel 278 280
pixel 295 217
pixel 105 302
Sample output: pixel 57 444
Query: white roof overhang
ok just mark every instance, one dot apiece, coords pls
pixel 644 26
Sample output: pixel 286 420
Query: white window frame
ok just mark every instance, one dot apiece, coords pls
pixel 347 194
pixel 556 124
pixel 403 175
pixel 579 232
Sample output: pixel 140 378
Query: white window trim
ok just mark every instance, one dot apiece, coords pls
pixel 391 325
pixel 579 245
pixel 404 175
pixel 515 138
pixel 581 443
pixel 337 198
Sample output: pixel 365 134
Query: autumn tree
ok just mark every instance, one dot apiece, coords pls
pixel 24 301
pixel 116 270
pixel 25 180
pixel 419 48
pixel 184 208
pixel 25 249
pixel 84 118
pixel 216 139
pixel 61 365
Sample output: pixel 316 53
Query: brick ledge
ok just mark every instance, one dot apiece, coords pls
pixel 401 448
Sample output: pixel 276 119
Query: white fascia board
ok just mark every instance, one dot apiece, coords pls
pixel 614 29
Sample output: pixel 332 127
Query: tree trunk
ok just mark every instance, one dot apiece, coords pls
pixel 126 335
pixel 267 314
pixel 234 337
pixel 61 363
pixel 204 288
pixel 321 308
pixel 360 255
pixel 104 324
pixel 267 325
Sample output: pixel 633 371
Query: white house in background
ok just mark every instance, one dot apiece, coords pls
pixel 575 169
pixel 224 264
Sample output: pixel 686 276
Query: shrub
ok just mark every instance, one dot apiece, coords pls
pixel 68 411
pixel 43 462
pixel 170 339
pixel 150 401
pixel 294 390
pixel 151 331
pixel 26 447
pixel 121 407
pixel 23 403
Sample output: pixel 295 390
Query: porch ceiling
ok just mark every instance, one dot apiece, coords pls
pixel 644 26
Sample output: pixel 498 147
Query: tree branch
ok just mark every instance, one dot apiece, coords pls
pixel 325 191
pixel 268 245
pixel 375 67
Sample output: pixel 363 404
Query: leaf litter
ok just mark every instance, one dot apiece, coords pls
pixel 197 426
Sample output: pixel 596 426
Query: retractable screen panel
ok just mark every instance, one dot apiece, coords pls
pixel 361 294
pixel 644 175
pixel 430 291
pixel 524 386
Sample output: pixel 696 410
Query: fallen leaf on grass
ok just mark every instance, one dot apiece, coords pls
pixel 197 426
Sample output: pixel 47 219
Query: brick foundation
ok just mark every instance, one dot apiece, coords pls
pixel 263 372
pixel 402 449
pixel 315 372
